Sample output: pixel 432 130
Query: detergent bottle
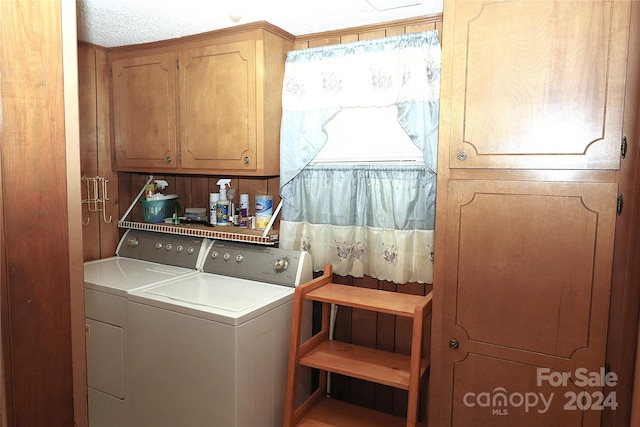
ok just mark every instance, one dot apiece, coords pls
pixel 222 205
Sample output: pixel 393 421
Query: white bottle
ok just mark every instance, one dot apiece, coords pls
pixel 222 206
pixel 244 210
pixel 213 205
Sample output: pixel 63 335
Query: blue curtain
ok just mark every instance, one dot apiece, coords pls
pixel 320 202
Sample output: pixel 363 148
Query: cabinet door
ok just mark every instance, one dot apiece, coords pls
pixel 526 288
pixel 218 106
pixel 534 84
pixel 144 108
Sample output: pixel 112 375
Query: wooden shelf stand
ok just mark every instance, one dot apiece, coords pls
pixel 406 372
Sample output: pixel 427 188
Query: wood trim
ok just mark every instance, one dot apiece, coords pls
pixel 76 270
pixel 5 350
pixel 204 37
pixel 382 29
pixel 625 294
pixel 86 45
pixel 345 35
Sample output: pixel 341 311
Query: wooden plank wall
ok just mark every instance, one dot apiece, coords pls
pixel 99 237
pixel 362 327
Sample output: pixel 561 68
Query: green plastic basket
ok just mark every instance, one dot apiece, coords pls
pixel 157 210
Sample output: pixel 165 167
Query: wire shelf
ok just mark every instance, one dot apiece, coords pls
pixel 196 230
pixel 230 232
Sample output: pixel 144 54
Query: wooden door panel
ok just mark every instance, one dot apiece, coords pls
pixel 218 106
pixel 526 285
pixel 144 111
pixel 486 394
pixel 536 273
pixel 527 93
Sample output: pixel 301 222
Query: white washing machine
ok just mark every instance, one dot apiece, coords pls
pixel 143 259
pixel 211 349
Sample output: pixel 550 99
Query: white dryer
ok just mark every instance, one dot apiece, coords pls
pixel 143 259
pixel 211 349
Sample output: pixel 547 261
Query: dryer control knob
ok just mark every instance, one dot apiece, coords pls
pixel 159 245
pixel 281 265
pixel 133 241
pixel 239 258
pixel 226 256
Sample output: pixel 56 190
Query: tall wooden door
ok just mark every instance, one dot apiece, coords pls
pixel 218 106
pixel 527 280
pixel 144 111
pixel 531 119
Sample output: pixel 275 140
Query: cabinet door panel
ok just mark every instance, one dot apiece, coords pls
pixel 144 110
pixel 485 394
pixel 535 265
pixel 536 84
pixel 527 282
pixel 218 106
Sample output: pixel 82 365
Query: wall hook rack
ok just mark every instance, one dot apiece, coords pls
pixel 97 196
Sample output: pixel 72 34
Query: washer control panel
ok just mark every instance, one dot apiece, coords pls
pixel 259 263
pixel 170 249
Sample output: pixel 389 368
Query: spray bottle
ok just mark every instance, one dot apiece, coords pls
pixel 213 208
pixel 222 206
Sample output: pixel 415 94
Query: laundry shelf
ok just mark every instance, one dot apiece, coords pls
pixel 217 232
pixel 331 412
pixel 365 363
pixel 322 352
pixel 229 232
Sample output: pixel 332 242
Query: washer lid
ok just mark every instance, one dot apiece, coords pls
pixel 120 275
pixel 226 299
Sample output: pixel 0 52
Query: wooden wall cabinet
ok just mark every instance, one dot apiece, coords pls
pixel 144 111
pixel 536 86
pixel 207 104
pixel 535 102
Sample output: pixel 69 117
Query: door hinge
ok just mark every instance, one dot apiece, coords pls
pixel 180 155
pixel 623 147
pixel 620 204
pixel 177 63
pixel 607 368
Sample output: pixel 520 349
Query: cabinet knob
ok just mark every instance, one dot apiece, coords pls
pixel 247 160
pixel 461 155
pixel 454 344
pixel 168 159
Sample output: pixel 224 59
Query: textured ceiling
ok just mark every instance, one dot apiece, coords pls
pixel 111 23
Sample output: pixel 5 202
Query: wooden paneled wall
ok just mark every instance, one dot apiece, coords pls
pixel 99 236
